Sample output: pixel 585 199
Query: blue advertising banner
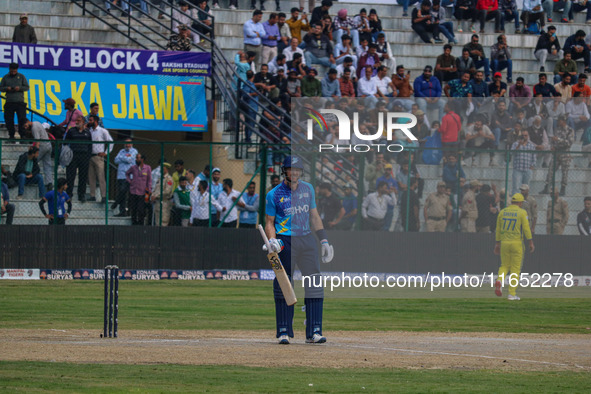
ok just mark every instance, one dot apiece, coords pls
pixel 113 60
pixel 135 89
pixel 144 102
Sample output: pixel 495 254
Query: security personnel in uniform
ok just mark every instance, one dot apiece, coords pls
pixel 167 190
pixel 512 226
pixel 437 209
pixel 560 215
pixel 584 218
pixel 531 207
pixel 469 208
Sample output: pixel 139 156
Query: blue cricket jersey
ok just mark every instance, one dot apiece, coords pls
pixel 291 209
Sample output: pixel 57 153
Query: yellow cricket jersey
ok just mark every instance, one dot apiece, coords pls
pixel 512 225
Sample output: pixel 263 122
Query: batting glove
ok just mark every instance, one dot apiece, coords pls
pixel 327 251
pixel 276 245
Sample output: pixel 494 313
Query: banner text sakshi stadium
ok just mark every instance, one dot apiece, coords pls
pixel 135 89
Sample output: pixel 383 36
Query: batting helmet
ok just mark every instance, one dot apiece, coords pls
pixel 293 162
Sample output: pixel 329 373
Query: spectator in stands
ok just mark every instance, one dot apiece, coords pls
pixel 182 201
pixel 96 169
pixel 551 6
pixel 254 2
pixel 532 11
pixel 330 86
pixel 311 87
pixel 501 122
pixel 561 141
pixel 5 206
pixel 497 87
pixel 162 199
pixel 487 10
pixel 225 201
pixel 375 24
pixel 556 107
pixel 200 205
pixel 564 67
pixel 422 130
pixel 465 63
pixel 265 83
pixel 23 32
pixel 36 131
pixel 375 206
pixel 427 89
pixel 297 25
pixel 349 203
pixel 248 206
pixel 179 171
pixel 284 33
pixel 72 116
pixel 254 32
pixel 63 199
pixel 344 50
pixel 139 178
pixel 293 85
pixel 215 188
pixel 320 12
pixel 81 156
pixel 509 12
pixel 384 51
pixel 13 85
pixel 405 174
pixel 575 44
pixel 370 58
pixel 362 48
pixel 384 84
pixel 584 218
pixel 347 63
pixel 298 65
pixel 520 95
pixel 530 205
pixel 465 10
pixel 401 81
pixel 405 4
pixel 479 87
pixel 277 63
pixel 477 54
pixel 293 48
pixel 182 16
pixel 556 214
pixel 579 6
pixel 250 104
pixel 486 204
pixel 453 173
pixel 94 110
pixel 445 65
pixel 27 172
pixel 346 85
pixel 544 88
pixel 459 87
pixel 564 90
pixel 363 25
pixel 539 137
pixel 479 136
pixel 548 46
pixel 124 160
pixel 421 22
pixel 330 207
pixel 367 87
pixel 318 48
pixel 578 114
pixel 469 210
pixel 410 208
pixel 343 25
pixel 269 42
pixel 244 62
pixel 438 17
pixel 500 55
pixel 582 87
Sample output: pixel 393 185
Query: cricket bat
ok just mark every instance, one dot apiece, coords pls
pixel 280 274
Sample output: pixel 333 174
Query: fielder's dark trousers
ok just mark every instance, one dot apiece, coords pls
pixel 122 192
pixel 9 213
pixel 21 113
pixel 424 30
pixel 137 207
pixel 484 16
pixel 79 164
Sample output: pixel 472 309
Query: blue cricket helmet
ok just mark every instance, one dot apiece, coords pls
pixel 293 162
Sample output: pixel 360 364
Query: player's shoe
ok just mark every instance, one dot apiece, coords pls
pixel 317 338
pixel 498 288
pixel 284 340
pixel 513 298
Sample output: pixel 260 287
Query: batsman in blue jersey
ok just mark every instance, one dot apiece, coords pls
pixel 291 218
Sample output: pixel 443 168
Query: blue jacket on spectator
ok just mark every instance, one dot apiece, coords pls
pixel 124 160
pixel 450 174
pixel 330 88
pixel 424 88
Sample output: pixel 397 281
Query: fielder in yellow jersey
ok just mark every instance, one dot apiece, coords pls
pixel 512 226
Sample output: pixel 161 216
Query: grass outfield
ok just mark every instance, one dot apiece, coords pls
pixel 63 377
pixel 248 305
